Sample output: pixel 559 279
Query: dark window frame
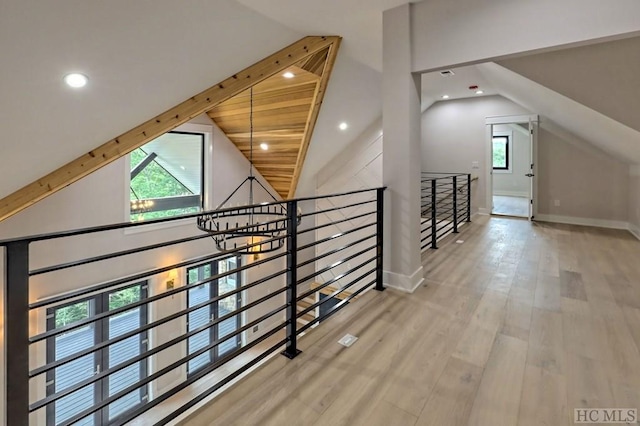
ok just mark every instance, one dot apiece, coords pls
pixel 177 202
pixel 214 308
pixel 507 151
pixel 99 303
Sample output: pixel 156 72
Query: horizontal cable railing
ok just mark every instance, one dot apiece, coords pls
pixel 445 204
pixel 150 344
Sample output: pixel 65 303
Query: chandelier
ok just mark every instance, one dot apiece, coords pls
pixel 250 229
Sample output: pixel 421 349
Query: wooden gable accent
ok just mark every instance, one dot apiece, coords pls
pixel 285 111
pixel 201 103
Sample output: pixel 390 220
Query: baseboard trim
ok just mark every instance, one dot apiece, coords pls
pixel 404 283
pixel 483 211
pixel 635 230
pixel 599 223
pixel 511 194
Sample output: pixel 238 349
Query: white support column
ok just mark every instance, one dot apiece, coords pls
pixel 401 154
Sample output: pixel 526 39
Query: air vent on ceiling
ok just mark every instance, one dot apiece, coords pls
pixel 447 73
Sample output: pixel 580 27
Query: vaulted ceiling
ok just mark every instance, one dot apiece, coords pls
pixel 281 113
pixel 588 91
pixel 286 112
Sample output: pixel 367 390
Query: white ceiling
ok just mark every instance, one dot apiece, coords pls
pixel 358 21
pixel 600 131
pixel 146 56
pixel 434 85
pixel 604 76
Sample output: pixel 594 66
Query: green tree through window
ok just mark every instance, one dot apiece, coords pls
pixel 161 177
pixel 501 152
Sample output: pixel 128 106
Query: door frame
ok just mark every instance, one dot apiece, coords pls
pixel 532 120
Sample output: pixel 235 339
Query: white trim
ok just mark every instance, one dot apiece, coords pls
pixel 483 212
pixel 532 120
pixel 509 119
pixel 635 230
pixel 511 194
pixel 600 223
pixel 404 283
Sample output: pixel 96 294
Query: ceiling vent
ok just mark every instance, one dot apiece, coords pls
pixel 447 73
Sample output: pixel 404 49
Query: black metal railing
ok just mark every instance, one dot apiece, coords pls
pixel 267 299
pixel 445 204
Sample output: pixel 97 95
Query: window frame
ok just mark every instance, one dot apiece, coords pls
pixel 214 307
pixel 174 202
pixel 99 303
pixel 508 154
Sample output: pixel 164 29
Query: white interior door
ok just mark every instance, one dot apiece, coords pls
pixel 533 130
pixel 520 124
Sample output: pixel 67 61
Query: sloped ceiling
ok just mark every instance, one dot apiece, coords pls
pixel 307 52
pixel 608 135
pixel 589 91
pixel 604 77
pixel 142 58
pixel 456 86
pixel 279 112
pixel 359 22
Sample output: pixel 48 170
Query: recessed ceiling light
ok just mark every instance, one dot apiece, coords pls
pixel 445 96
pixel 479 92
pixel 264 146
pixel 288 74
pixel 343 126
pixel 76 80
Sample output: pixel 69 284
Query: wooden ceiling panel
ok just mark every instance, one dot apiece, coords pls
pixel 266 76
pixel 315 63
pixel 285 110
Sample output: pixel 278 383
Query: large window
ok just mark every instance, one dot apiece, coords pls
pixel 201 293
pixel 85 367
pixel 501 153
pixel 167 176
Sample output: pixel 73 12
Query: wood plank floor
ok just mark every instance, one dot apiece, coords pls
pixel 518 325
pixel 511 206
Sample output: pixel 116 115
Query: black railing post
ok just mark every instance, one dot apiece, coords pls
pixel 291 350
pixel 16 326
pixel 469 198
pixel 455 204
pixel 434 232
pixel 379 237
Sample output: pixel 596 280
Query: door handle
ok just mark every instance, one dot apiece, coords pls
pixel 529 175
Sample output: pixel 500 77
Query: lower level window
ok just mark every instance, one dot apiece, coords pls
pixel 79 339
pixel 200 294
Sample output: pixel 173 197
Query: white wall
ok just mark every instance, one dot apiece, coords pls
pixel 101 199
pixel 356 101
pixel 141 61
pixel 446 33
pixel 634 200
pixel 453 137
pixel 513 182
pixel 588 183
pixel 359 166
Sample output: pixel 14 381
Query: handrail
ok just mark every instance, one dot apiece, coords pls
pixel 444 196
pixel 124 225
pixel 271 288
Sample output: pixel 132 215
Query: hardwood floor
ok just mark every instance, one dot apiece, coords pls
pixel 518 325
pixel 511 206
